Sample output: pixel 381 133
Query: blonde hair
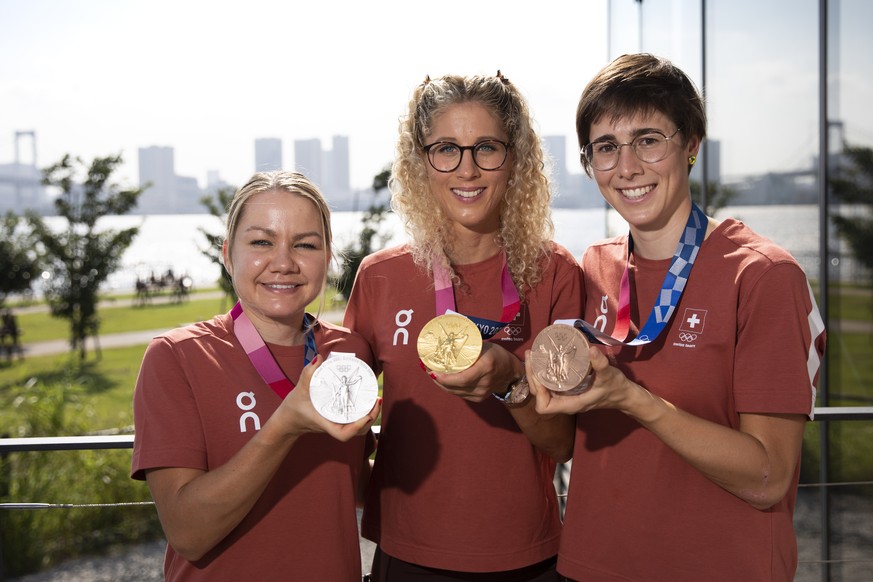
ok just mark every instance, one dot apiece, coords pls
pixel 281 181
pixel 525 216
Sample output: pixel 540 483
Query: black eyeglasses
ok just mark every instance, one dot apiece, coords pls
pixel 650 147
pixel 445 156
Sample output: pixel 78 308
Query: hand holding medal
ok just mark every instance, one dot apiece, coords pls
pixel 449 343
pixel 343 389
pixel 559 359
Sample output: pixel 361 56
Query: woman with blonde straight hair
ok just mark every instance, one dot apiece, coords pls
pixel 250 482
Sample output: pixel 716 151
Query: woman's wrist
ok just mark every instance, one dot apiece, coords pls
pixel 516 393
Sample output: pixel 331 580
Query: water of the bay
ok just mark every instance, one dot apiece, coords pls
pixel 175 242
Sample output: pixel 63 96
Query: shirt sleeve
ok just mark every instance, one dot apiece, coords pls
pixel 568 290
pixel 356 318
pixel 167 425
pixel 780 344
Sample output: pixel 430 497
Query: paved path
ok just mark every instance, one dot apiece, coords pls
pixel 134 338
pixel 124 339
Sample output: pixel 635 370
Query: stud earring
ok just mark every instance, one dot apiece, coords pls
pixel 691 160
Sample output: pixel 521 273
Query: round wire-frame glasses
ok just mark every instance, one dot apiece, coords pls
pixel 649 147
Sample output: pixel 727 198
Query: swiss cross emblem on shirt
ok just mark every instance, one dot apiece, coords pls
pixel 693 320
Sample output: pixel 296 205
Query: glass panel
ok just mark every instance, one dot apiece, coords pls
pixel 763 163
pixel 762 103
pixel 850 292
pixel 849 503
pixel 669 28
pixel 850 244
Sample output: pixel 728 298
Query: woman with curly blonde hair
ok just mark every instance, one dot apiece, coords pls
pixel 525 222
pixel 462 482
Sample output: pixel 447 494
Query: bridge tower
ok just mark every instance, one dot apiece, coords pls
pixel 24 173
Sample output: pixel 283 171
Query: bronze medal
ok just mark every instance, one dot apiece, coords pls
pixel 449 343
pixel 559 359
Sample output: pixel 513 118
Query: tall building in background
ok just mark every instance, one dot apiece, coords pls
pixel 165 192
pixel 329 169
pixel 335 167
pixel 569 189
pixel 157 174
pixel 268 154
pixel 712 160
pixel 308 158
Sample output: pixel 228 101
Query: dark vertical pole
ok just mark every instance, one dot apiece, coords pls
pixel 823 175
pixel 640 24
pixel 704 188
pixel 5 484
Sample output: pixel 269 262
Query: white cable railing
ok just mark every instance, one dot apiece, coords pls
pixel 97 442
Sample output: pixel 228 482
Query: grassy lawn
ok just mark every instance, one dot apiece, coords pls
pixel 102 390
pixel 118 314
pixel 122 316
pixel 851 305
pixel 54 396
pixel 100 394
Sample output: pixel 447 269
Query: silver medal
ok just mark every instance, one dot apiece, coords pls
pixel 344 388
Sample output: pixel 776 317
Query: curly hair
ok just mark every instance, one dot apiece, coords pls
pixel 525 216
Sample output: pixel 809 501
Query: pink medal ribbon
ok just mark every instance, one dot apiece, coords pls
pixel 261 357
pixel 445 300
pixel 674 284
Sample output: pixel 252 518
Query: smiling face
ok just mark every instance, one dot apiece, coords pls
pixel 654 198
pixel 278 261
pixel 469 196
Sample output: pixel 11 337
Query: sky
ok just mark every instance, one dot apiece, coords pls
pixel 100 77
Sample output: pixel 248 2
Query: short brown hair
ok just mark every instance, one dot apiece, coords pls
pixel 640 83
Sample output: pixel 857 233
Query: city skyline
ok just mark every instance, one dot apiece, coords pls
pixel 207 78
pixel 166 191
pixel 99 78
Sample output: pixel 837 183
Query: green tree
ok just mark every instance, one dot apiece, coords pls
pixel 81 257
pixel 717 196
pixel 380 180
pixel 370 239
pixel 852 184
pixel 217 206
pixel 18 262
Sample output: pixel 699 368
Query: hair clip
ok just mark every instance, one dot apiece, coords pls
pixel 502 78
pixel 426 80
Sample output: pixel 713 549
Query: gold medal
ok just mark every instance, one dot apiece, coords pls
pixel 559 359
pixel 449 343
